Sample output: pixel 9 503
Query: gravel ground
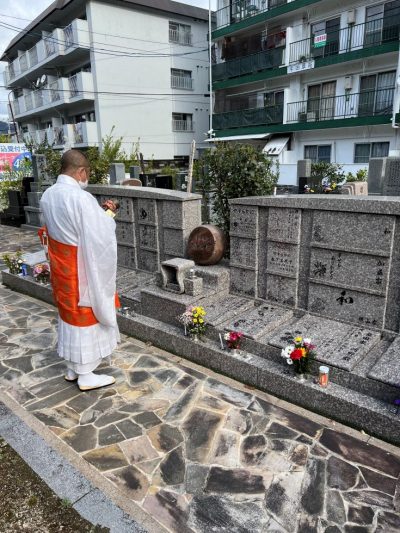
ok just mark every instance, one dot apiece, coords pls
pixel 28 505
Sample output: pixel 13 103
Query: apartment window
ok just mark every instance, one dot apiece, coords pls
pixel 180 33
pixel 182 122
pixel 376 94
pixel 318 153
pixel 364 151
pixel 331 28
pixel 321 101
pixel 181 79
pixel 382 23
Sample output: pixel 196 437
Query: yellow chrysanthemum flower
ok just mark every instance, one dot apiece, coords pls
pixel 298 339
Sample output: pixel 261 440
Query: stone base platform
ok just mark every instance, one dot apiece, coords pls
pixel 360 392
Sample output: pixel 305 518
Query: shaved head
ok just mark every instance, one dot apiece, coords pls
pixel 72 160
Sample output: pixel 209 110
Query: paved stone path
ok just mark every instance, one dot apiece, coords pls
pixel 197 451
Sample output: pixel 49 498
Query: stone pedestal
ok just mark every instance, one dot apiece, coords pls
pixel 173 274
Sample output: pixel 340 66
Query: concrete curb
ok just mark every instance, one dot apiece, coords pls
pixel 93 496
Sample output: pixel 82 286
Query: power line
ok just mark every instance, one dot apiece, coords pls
pixel 106 51
pixel 101 33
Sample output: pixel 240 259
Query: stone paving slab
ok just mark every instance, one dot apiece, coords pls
pixel 196 453
pixel 338 344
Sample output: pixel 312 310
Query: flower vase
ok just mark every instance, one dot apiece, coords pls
pixel 195 337
pixel 234 351
pixel 300 370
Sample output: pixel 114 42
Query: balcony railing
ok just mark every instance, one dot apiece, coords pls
pixel 54 90
pixel 182 125
pixel 68 36
pixel 23 62
pixel 368 34
pixel 58 135
pixel 363 104
pixel 28 102
pixel 38 98
pixel 180 37
pixel 243 9
pixel 73 86
pixel 249 117
pixel 248 64
pixel 181 82
pixel 49 45
pixel 16 107
pixel 33 56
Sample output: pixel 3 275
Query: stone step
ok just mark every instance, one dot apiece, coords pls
pixel 372 415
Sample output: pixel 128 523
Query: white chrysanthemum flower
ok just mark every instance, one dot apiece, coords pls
pixel 307 341
pixel 289 361
pixel 226 336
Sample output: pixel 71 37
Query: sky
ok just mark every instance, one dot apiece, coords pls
pixel 20 12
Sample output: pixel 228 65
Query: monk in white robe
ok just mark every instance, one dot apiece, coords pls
pixel 82 249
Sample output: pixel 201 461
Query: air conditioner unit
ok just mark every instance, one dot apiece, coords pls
pixel 312 116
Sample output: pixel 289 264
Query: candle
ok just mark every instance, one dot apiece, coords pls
pixel 323 376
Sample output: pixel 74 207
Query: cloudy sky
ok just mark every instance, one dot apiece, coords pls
pixel 19 13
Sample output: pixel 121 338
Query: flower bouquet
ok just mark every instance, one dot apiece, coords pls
pixel 13 262
pixel 233 339
pixel 41 273
pixel 193 321
pixel 299 354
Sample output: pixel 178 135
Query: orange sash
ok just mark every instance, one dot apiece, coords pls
pixel 64 280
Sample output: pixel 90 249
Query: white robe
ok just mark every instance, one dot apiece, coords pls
pixel 74 217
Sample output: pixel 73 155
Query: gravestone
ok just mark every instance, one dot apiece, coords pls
pixel 117 173
pixel 376 173
pixel 259 321
pixel 134 172
pixel 391 179
pixel 303 174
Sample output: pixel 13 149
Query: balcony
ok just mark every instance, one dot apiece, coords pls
pixel 81 86
pixel 49 51
pixel 243 9
pixel 249 117
pixel 365 104
pixel 241 66
pixel 358 37
pixel 182 125
pixel 180 37
pixel 82 134
pixel 181 82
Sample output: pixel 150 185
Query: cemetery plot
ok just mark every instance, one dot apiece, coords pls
pixel 284 225
pixel 281 290
pixel 353 232
pixel 348 305
pixel 282 259
pixel 244 252
pixel 349 270
pixel 262 319
pixel 337 344
pixel 226 308
pixel 387 369
pixel 244 221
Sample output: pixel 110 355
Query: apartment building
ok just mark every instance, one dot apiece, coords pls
pixel 85 66
pixel 315 79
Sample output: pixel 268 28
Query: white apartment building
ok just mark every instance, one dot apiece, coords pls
pixel 315 79
pixel 85 66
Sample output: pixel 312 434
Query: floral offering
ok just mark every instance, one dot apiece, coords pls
pixel 41 273
pixel 233 339
pixel 13 262
pixel 193 320
pixel 299 354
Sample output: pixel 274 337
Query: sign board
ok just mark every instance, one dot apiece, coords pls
pixel 12 155
pixel 320 40
pixel 301 65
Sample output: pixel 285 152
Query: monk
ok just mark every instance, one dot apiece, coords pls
pixel 82 250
